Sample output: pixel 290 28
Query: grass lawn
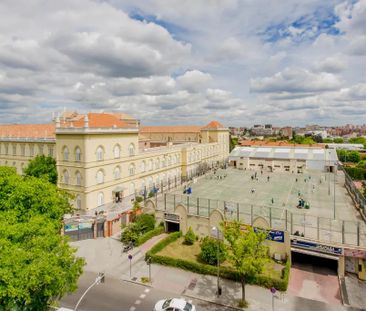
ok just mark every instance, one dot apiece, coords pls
pixel 178 250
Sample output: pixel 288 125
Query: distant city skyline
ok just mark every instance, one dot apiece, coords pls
pixel 189 62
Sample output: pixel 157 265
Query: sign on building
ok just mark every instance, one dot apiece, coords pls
pixel 328 249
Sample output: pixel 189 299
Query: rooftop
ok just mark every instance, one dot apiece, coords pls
pixel 248 143
pixel 30 131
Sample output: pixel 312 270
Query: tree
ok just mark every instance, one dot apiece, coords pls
pixel 246 252
pixel 338 140
pixel 358 140
pixel 209 247
pixel 37 265
pixel 42 166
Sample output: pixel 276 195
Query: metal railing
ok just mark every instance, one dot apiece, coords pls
pixel 302 224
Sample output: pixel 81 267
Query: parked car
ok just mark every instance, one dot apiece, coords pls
pixel 174 304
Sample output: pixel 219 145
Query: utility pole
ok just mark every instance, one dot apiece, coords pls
pixel 334 199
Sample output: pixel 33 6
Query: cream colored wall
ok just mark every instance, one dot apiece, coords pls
pixel 175 137
pixel 18 160
pixel 277 165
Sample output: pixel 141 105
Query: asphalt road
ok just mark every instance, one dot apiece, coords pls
pixel 119 295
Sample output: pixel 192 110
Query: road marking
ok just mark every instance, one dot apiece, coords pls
pixel 137 302
pixel 142 296
pixel 133 308
pixel 147 290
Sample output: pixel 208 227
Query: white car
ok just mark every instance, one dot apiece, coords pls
pixel 174 304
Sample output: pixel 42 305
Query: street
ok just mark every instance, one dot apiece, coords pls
pixel 120 295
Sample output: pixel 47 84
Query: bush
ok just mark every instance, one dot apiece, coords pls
pixel 209 249
pixel 148 235
pixel 356 173
pixel 139 199
pixel 145 223
pixel 151 194
pixel 225 272
pixel 190 237
pixel 129 235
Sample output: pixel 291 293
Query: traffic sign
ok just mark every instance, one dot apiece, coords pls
pixel 273 290
pixel 130 257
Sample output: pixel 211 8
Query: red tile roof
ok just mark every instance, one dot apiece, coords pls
pixel 171 129
pixel 96 120
pixel 213 125
pixel 27 131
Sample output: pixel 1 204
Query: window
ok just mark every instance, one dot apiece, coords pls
pixel 117 151
pixel 131 149
pixel 131 169
pixel 22 150
pixel 78 201
pixel 6 149
pixel 100 199
pixel 117 173
pixel 163 163
pixel 66 177
pixel 66 154
pixel 50 151
pixel 100 153
pixel 14 149
pixel 40 149
pixel 78 178
pixel 143 166
pixel 100 177
pixel 151 165
pixel 77 154
pixel 132 189
pixel 170 160
pixel 157 164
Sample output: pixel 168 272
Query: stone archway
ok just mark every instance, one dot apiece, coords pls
pixel 149 207
pixel 261 222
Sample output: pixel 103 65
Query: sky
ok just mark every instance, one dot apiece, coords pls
pixel 242 62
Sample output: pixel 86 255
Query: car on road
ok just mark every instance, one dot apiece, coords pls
pixel 174 304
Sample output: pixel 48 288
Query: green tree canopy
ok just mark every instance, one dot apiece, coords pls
pixel 246 251
pixel 358 140
pixel 37 266
pixel 42 166
pixel 348 156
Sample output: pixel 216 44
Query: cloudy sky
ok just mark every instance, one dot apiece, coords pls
pixel 288 62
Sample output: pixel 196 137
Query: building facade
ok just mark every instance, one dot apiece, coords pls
pixel 104 158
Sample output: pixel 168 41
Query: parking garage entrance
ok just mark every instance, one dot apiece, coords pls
pixel 171 222
pixel 314 276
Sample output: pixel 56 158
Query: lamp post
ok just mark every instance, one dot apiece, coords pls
pixel 329 172
pixel 216 234
pixel 334 195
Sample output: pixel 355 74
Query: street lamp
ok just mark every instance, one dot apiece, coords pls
pixel 216 234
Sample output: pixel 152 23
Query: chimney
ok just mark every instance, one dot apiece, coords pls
pixel 86 120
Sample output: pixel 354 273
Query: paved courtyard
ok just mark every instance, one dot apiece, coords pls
pixel 276 196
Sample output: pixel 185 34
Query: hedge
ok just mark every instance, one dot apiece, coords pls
pixel 225 272
pixel 148 235
pixel 356 173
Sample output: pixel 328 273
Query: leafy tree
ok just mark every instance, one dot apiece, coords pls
pixel 362 164
pixel 338 140
pixel 42 166
pixel 348 156
pixel 37 266
pixel 190 237
pixel 29 196
pixel 143 223
pixel 233 142
pixel 358 140
pixel 246 252
pixel 209 247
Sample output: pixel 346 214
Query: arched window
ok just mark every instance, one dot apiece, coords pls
pixel 117 151
pixel 78 178
pixel 177 158
pixel 100 199
pixel 163 163
pixel 131 149
pixel 131 169
pixel 157 164
pixel 151 165
pixel 100 177
pixel 117 172
pixel 132 189
pixel 170 160
pixel 66 177
pixel 100 153
pixel 143 166
pixel 65 153
pixel 78 201
pixel 77 154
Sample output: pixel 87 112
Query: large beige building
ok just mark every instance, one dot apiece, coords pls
pixel 104 158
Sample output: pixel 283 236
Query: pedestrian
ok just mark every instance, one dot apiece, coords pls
pixel 261 172
pixel 296 179
pixel 267 178
pixel 272 201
